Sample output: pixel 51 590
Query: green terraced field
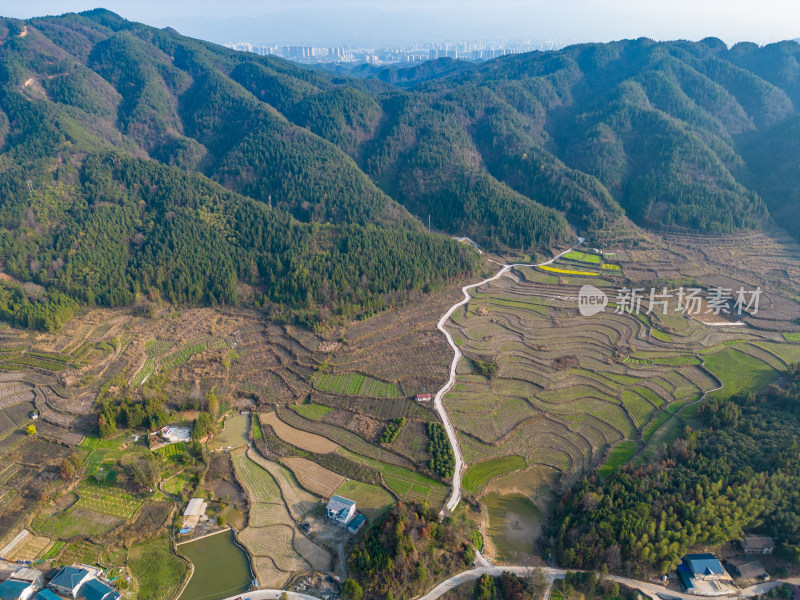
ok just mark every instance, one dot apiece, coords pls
pixel 144 373
pixel 738 371
pixel 356 384
pixel 478 475
pixel 620 454
pixel 407 484
pixel 180 357
pixel 315 412
pixel 107 500
pixel 257 480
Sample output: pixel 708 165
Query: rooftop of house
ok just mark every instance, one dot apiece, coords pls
pixel 27 574
pixel 338 504
pixel 703 564
pixel 11 590
pixel 194 508
pixel 755 541
pixel 356 522
pixel 748 568
pixel 69 577
pixel 46 595
pixel 94 589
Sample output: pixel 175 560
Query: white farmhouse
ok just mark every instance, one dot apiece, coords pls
pixel 341 510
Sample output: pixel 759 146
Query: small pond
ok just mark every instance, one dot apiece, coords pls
pixel 221 568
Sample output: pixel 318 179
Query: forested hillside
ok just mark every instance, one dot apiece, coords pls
pixel 137 161
pixel 739 472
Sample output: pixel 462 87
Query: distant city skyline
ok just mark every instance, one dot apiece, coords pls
pixel 361 23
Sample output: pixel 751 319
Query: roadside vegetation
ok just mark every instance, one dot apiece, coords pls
pixel 410 548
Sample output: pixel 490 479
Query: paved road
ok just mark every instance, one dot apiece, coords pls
pixel 438 401
pixel 551 574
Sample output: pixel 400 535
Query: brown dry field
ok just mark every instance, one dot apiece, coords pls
pixel 313 477
pixel 302 439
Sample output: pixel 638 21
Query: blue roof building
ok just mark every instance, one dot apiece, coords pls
pixel 704 575
pixel 46 595
pixel 356 523
pixel 16 590
pixel 94 589
pixel 68 581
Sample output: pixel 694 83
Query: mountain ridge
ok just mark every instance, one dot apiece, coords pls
pixel 691 136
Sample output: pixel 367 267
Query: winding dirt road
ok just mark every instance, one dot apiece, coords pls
pixel 438 401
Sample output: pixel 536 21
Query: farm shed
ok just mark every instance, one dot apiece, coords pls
pixel 747 568
pixel 757 544
pixel 194 512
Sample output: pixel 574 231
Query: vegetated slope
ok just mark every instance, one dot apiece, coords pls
pixel 677 134
pixel 115 141
pixel 738 472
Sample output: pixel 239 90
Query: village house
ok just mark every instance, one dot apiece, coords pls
pixel 704 575
pixel 341 510
pixel 423 397
pixel 68 581
pixel 757 544
pixel 94 589
pixel 745 567
pixel 356 523
pixel 169 434
pixel 16 590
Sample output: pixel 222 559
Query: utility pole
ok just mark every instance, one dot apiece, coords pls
pixel 429 222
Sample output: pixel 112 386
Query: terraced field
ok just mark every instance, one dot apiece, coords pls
pixel 276 500
pixel 356 384
pixel 570 387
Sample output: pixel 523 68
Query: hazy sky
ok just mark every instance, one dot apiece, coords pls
pixel 329 22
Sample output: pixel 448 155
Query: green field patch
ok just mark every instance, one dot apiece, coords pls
pixel 74 522
pixel 183 355
pixel 143 374
pixel 371 500
pixel 792 336
pixel 660 335
pixel 82 552
pixel 619 455
pixel 108 500
pixel 172 450
pixel 53 551
pixel 478 475
pixel 157 571
pixel 312 411
pixel 738 371
pixel 401 480
pixel 257 480
pixel 256 430
pixel 356 384
pixel 37 360
pixel 789 353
